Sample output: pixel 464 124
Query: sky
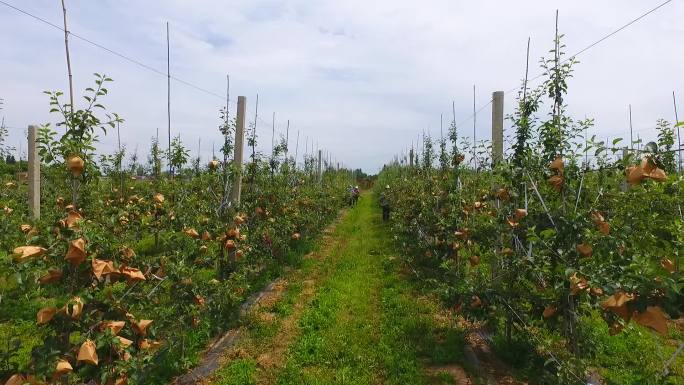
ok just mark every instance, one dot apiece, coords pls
pixel 361 80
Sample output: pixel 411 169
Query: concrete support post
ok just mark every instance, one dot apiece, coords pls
pixel 33 173
pixel 320 174
pixel 497 126
pixel 411 158
pixel 239 146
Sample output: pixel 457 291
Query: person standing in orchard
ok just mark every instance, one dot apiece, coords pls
pixel 355 195
pixel 384 203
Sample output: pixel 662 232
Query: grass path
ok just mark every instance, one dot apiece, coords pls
pixel 347 317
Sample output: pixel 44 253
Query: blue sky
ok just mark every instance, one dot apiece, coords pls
pixel 361 79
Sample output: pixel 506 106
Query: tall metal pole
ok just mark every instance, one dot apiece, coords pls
pixel 418 147
pixel 679 140
pixel 256 118
pixel 120 156
pixel 631 130
pixel 474 130
pixel 273 137
pixel 441 127
pixel 226 137
pixel 227 98
pixel 556 104
pixel 168 92
pixel 68 58
pixel 527 69
pixel 296 150
pixel 586 148
pixel 287 139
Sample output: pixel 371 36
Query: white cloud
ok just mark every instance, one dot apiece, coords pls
pixel 362 78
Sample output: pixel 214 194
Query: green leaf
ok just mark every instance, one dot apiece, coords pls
pixel 548 233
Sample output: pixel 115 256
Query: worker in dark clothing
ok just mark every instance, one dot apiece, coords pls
pixel 384 203
pixel 355 195
pixel 350 195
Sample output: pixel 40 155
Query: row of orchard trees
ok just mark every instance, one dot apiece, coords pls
pixel 542 239
pixel 125 279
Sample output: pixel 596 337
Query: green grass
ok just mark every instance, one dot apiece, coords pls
pixel 364 326
pixel 238 372
pixel 17 340
pixel 338 330
pixel 635 356
pixel 411 335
